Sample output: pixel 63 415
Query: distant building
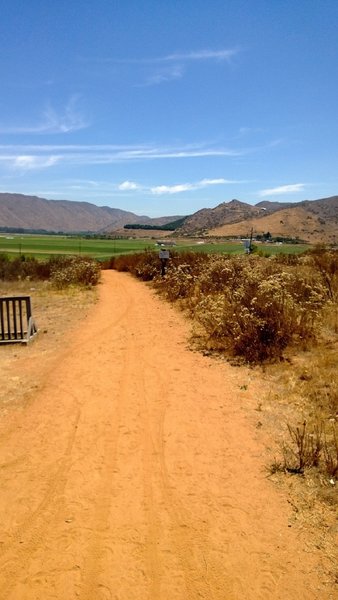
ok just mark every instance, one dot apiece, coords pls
pixel 165 243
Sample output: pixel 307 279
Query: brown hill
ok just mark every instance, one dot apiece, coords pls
pixel 289 223
pixel 227 212
pixel 32 212
pixel 314 221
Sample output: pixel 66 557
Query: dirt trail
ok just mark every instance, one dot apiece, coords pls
pixel 134 473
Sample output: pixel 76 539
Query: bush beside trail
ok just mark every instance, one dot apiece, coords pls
pixel 252 307
pixel 249 306
pixel 75 270
pixel 258 309
pixel 61 271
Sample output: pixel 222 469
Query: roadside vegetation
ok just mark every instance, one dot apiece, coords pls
pixel 266 311
pixel 247 306
pixel 278 312
pixel 60 271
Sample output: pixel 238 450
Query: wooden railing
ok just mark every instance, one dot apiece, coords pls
pixel 16 319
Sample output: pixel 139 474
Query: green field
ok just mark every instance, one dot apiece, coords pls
pixel 238 248
pixel 44 246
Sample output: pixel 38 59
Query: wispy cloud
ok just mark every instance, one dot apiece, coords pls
pixel 223 54
pixel 283 189
pixel 121 152
pixel 160 69
pixel 179 63
pixel 52 121
pixel 25 162
pixel 164 74
pixel 246 131
pixel 187 187
pixel 218 55
pixel 39 156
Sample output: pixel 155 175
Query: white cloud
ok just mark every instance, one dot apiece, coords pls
pixel 171 189
pixel 220 181
pixel 283 189
pixel 128 186
pixel 24 162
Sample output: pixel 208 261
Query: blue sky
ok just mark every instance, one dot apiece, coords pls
pixel 166 107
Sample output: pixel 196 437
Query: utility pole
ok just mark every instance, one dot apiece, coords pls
pixel 250 245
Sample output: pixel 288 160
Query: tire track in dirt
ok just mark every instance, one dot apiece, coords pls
pixel 35 525
pixel 155 474
pixel 97 548
pixel 94 583
pixel 154 444
pixel 29 535
pixel 190 539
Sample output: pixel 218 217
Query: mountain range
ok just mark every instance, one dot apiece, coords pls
pixel 32 212
pixel 314 221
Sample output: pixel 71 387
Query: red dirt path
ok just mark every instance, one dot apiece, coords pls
pixel 134 473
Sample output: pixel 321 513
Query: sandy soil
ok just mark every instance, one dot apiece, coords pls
pixel 133 470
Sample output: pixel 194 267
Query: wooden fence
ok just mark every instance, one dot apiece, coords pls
pixel 16 320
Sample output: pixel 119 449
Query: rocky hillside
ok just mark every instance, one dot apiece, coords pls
pixel 227 212
pixel 315 221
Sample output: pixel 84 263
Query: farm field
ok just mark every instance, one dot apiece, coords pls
pixel 238 248
pixel 44 246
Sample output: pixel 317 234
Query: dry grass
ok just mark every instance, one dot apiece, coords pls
pixel 281 313
pixel 308 383
pixel 56 313
pixel 248 306
pixel 304 389
pixel 61 271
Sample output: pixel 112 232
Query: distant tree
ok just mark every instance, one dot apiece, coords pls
pixel 267 235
